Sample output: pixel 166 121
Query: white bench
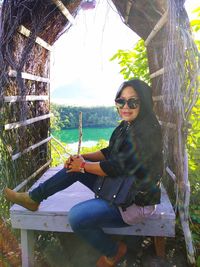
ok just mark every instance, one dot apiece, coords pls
pixel 52 216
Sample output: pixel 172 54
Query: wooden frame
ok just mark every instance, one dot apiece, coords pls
pixel 32 176
pixel 18 98
pixel 15 125
pixel 157 28
pixel 28 76
pixel 26 32
pixel 64 11
pixel 30 148
pixel 157 73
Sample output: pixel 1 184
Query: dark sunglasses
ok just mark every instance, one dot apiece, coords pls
pixel 132 103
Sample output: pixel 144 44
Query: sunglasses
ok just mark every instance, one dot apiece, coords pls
pixel 132 103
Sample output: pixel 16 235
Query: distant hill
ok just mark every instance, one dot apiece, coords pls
pixel 68 116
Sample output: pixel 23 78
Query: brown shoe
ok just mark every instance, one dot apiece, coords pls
pixel 104 261
pixel 21 199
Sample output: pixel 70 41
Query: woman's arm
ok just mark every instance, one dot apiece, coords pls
pixel 76 162
pixel 94 156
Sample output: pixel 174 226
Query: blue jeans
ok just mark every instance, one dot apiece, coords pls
pixel 86 218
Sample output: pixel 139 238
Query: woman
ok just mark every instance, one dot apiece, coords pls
pixel 135 148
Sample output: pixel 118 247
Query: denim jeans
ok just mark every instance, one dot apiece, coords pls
pixel 86 218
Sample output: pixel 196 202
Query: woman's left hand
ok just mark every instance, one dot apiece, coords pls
pixel 75 163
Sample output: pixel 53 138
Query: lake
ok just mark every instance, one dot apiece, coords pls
pixel 89 138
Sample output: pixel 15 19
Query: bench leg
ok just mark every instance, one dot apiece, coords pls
pixel 159 243
pixel 27 244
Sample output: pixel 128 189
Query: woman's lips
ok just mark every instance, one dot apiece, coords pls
pixel 126 113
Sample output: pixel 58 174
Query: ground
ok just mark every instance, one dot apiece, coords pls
pixel 66 250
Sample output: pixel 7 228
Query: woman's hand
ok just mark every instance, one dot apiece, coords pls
pixel 74 163
pixel 68 162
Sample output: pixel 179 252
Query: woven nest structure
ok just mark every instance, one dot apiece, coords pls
pixel 29 28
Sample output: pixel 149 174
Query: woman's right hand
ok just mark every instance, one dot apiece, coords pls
pixel 68 162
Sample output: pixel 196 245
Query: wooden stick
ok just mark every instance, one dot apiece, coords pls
pixel 171 174
pixel 183 212
pixel 157 73
pixel 26 32
pixel 18 98
pixel 80 133
pixel 15 125
pixel 128 9
pixel 157 27
pixel 64 11
pixel 20 186
pixel 16 156
pixel 28 76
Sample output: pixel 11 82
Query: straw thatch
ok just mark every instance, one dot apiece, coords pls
pixel 24 98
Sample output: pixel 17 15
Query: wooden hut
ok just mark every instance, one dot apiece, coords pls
pixel 28 31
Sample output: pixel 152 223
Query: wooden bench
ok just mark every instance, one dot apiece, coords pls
pixel 52 216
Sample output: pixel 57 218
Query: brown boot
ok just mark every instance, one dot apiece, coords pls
pixel 104 261
pixel 21 199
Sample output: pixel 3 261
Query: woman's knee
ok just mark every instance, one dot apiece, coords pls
pixel 75 217
pixel 83 216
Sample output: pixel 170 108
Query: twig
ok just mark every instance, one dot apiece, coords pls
pixel 80 133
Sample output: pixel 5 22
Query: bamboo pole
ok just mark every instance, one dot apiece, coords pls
pixel 184 211
pixel 80 133
pixel 29 76
pixel 20 186
pixel 18 98
pixel 26 32
pixel 64 11
pixel 157 28
pixel 157 73
pixel 15 125
pixel 30 148
pixel 128 9
pixel 171 174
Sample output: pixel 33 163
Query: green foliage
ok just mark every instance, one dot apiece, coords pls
pixel 59 155
pixel 198 261
pixel 133 63
pixel 193 146
pixel 100 144
pixel 66 117
pixel 195 23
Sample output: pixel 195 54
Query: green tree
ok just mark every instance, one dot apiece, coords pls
pixel 133 62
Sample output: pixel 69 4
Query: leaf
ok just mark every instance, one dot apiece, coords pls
pixel 198 261
pixel 195 22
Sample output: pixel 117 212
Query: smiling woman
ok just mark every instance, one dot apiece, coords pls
pixel 25 85
pixel 125 176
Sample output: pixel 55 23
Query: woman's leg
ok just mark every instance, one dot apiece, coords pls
pixel 87 219
pixel 60 181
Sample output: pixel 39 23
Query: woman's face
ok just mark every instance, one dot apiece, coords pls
pixel 129 113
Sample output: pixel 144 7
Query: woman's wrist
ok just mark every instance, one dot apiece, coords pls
pixel 82 166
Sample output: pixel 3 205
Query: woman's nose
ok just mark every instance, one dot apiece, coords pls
pixel 126 105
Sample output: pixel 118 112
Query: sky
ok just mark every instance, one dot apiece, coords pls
pixel 81 72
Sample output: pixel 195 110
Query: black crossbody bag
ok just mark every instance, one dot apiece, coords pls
pixel 120 191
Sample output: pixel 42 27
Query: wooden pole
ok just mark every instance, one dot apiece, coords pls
pixel 184 211
pixel 64 11
pixel 80 133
